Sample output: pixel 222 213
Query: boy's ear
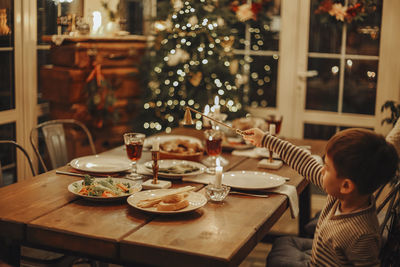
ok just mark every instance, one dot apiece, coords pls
pixel 347 186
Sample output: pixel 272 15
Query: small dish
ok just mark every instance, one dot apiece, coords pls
pixel 134 187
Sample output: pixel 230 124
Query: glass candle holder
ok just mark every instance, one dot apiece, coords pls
pixel 217 193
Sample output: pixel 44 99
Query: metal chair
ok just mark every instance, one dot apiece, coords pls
pixel 15 144
pixel 55 138
pixel 32 256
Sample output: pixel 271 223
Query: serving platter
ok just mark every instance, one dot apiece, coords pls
pixel 163 138
pixel 196 201
pixel 171 167
pixel 101 164
pixel 251 180
pixel 133 186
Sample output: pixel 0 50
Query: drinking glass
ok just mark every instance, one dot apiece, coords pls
pixel 274 119
pixel 214 139
pixel 134 146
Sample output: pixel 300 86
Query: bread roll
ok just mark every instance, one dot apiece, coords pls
pixel 163 206
pixel 175 198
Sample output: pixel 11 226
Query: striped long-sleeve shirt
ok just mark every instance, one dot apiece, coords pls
pixel 350 239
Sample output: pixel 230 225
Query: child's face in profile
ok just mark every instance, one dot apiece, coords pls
pixel 331 182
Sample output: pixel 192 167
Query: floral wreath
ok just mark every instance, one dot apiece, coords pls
pixel 100 106
pixel 255 11
pixel 356 10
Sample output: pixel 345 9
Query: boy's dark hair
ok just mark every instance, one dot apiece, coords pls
pixel 364 157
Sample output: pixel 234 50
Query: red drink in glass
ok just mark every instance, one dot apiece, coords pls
pixel 214 146
pixel 134 150
pixel 277 120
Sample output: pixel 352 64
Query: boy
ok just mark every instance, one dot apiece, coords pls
pixel 357 162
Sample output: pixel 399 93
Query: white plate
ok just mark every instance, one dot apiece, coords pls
pixel 235 143
pixel 101 164
pixel 250 180
pixel 163 138
pixel 196 200
pixel 166 163
pixel 75 187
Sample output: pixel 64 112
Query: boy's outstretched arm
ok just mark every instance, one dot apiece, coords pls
pixel 295 157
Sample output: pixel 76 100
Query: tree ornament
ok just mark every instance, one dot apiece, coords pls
pixel 196 78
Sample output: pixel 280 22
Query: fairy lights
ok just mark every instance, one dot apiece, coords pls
pixel 190 63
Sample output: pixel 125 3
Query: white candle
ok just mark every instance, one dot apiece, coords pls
pixel 206 122
pixel 156 144
pixel 217 107
pixel 218 174
pixel 272 129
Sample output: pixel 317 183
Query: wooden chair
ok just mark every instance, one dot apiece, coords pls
pixel 296 251
pixel 55 138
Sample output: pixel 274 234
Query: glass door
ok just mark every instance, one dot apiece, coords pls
pixel 340 65
pixel 10 94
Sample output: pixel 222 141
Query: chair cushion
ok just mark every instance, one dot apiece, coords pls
pixel 290 251
pixel 309 228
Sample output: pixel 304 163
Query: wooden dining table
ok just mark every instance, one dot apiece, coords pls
pixel 41 212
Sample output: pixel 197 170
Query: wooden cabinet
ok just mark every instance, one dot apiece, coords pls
pixel 64 82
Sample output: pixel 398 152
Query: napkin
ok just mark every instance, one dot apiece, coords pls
pixel 200 179
pixel 291 192
pixel 255 153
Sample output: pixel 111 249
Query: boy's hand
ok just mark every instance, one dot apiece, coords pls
pixel 254 136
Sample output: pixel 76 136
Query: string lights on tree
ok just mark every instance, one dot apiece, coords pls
pixel 189 63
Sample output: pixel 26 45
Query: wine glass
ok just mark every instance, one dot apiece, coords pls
pixel 134 146
pixel 274 119
pixel 214 149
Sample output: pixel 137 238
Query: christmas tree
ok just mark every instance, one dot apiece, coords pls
pixel 189 63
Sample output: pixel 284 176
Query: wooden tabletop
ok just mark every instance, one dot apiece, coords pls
pixel 42 212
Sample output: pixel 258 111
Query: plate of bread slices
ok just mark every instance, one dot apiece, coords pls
pixel 168 201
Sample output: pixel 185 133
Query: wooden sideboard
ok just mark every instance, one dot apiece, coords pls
pixel 63 82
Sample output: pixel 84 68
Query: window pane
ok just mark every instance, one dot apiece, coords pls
pixel 314 131
pixel 7 93
pixel 363 38
pixel 43 58
pixel 323 90
pixel 7 154
pixel 263 80
pixel 359 93
pixel 47 19
pixel 265 30
pixel 132 16
pixel 7 23
pixel 239 31
pixel 324 37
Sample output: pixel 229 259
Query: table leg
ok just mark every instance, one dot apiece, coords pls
pixel 305 209
pixel 10 252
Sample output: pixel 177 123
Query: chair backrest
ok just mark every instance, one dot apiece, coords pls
pixel 389 215
pixel 55 138
pixel 28 158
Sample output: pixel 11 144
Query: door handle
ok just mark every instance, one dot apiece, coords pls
pixel 307 74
